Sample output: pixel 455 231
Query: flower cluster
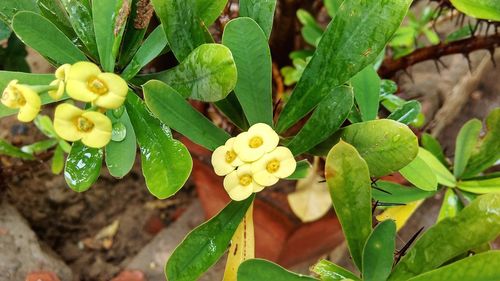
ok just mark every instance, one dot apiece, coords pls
pixel 82 81
pixel 251 161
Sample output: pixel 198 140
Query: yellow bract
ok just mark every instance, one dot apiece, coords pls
pixel 72 124
pixel 22 97
pixel 400 214
pixel 61 76
pixel 86 82
pixel 252 161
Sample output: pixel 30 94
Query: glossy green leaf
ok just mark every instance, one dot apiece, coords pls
pixel 366 86
pixel 420 174
pixel 466 140
pixel 10 7
pixel 207 74
pixel 206 244
pixel 166 163
pixel 386 145
pixel 406 113
pixel 451 205
pixel 209 11
pixel 301 170
pixel 348 179
pixel 444 176
pixel 248 44
pixel 481 9
pixel 80 17
pixel 172 109
pixel 325 120
pixel 481 267
pixel 39 146
pixel 262 270
pixel 433 146
pixel 378 253
pixel 480 186
pixel 54 11
pixel 120 155
pixel 262 11
pixel 150 49
pixel 109 19
pixel 231 108
pixel 475 225
pixel 12 151
pixel 32 29
pixel 24 78
pixel 352 41
pixel 329 271
pixel 83 166
pixel 487 150
pixel 396 193
pixel 181 24
pixel 57 162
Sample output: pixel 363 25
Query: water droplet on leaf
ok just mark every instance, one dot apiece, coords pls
pixel 119 132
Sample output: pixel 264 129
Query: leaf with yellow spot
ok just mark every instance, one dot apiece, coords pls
pixel 400 214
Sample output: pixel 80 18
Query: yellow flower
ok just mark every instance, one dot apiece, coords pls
pixel 259 139
pixel 22 97
pixel 225 159
pixel 73 124
pixel 61 76
pixel 277 164
pixel 240 184
pixel 85 82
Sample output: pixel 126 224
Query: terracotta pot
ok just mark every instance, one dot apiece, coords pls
pixel 280 236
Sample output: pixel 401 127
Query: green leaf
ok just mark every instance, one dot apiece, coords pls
pixel 451 205
pixel 24 78
pixel 349 182
pixel 207 74
pixel 172 109
pixel 248 44
pixel 83 166
pixel 480 186
pixel 433 146
pixel 109 19
pixel 406 113
pixel 12 151
pixel 166 163
pixel 10 7
pixel 386 145
pixel 40 146
pixel 150 49
pixel 325 120
pixel 206 244
pixel 57 161
pixel 262 11
pixel 466 140
pixel 366 86
pixel 231 107
pixel 209 11
pixel 181 24
pixel 481 9
pixel 54 11
pixel 351 42
pixel 481 267
pixel 5 31
pixel 378 254
pixel 311 31
pixel 487 150
pixel 398 193
pixel 332 7
pixel 301 170
pixel 13 57
pixel 262 270
pixel 329 271
pixel 475 225
pixel 120 155
pixel 33 29
pixel 444 176
pixel 420 174
pixel 80 18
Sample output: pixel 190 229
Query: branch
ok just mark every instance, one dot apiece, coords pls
pixel 465 46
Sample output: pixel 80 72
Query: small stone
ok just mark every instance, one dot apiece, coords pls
pixel 130 275
pixel 42 276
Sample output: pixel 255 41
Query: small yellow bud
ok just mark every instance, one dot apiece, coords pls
pixel 22 97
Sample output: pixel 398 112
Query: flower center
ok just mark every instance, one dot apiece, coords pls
pixel 83 124
pixel 273 166
pixel 13 96
pixel 97 86
pixel 230 156
pixel 246 180
pixel 255 142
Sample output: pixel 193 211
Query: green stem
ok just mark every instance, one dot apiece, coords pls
pixel 44 88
